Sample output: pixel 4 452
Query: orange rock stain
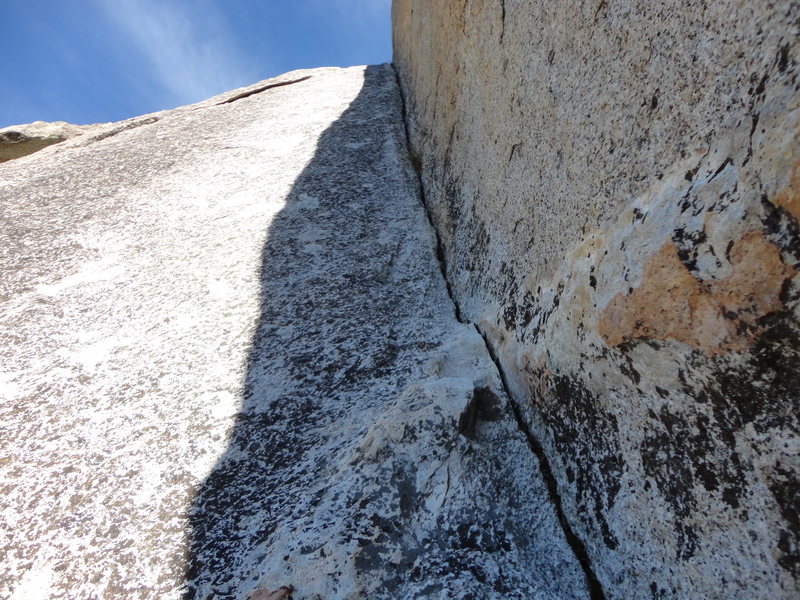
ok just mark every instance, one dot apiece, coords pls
pixel 713 316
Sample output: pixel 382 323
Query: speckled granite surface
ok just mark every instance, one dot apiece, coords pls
pixel 616 185
pixel 230 364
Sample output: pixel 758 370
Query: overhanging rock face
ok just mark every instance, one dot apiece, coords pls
pixel 231 368
pixel 616 187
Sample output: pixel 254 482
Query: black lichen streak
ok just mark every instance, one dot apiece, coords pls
pixel 721 168
pixel 688 244
pixel 785 488
pixel 483 406
pixel 510 290
pixel 587 434
pixel 672 456
pixel 783 58
pixel 502 19
pixel 761 394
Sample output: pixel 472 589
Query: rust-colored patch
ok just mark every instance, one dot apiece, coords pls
pixel 712 316
pixel 789 197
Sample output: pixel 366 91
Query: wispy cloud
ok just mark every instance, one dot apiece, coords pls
pixel 360 13
pixel 187 45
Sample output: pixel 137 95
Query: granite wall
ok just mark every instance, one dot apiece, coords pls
pixel 616 189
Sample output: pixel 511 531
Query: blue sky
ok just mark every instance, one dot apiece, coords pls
pixel 92 61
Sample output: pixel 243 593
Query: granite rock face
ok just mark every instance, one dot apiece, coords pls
pixel 615 185
pixel 21 140
pixel 231 368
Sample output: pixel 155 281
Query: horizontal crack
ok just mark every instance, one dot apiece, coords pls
pixel 91 139
pixel 262 89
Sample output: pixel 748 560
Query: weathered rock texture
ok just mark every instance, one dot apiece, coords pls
pixel 21 140
pixel 615 185
pixel 231 368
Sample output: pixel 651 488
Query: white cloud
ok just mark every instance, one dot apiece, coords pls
pixel 190 52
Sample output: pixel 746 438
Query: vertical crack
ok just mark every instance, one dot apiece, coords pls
pixel 502 19
pixel 416 163
pixel 576 544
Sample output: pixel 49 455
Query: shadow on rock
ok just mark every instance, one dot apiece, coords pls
pixel 317 342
